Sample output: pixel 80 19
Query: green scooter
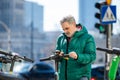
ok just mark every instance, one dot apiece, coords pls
pixel 114 62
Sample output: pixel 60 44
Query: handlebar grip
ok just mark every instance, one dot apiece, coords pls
pixel 65 55
pixel 27 59
pixel 45 59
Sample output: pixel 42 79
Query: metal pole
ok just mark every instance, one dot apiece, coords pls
pixel 9 40
pixel 32 33
pixel 9 32
pixel 108 45
pixel 56 69
pixel 109 39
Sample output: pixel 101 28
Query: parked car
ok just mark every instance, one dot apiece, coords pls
pixel 97 72
pixel 37 71
pixel 30 71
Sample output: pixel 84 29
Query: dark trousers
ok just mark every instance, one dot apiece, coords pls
pixel 84 78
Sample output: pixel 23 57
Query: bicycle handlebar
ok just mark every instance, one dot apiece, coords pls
pixel 110 51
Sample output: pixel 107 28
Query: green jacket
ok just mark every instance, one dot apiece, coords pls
pixel 83 44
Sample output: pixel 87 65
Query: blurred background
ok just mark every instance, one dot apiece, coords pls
pixel 31 27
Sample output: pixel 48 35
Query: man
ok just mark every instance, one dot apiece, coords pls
pixel 81 48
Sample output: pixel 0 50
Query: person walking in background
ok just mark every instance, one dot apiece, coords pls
pixel 81 48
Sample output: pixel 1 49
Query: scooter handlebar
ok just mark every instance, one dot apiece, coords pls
pixel 110 51
pixel 54 57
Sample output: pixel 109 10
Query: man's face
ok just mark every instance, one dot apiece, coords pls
pixel 68 29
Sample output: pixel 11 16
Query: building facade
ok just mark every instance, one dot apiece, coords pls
pixel 25 21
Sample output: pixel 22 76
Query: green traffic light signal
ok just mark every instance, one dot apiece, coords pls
pixel 102 29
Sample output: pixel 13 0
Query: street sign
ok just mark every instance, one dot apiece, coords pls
pixel 108 14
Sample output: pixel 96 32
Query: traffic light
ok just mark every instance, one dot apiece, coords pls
pixel 102 28
pixel 98 6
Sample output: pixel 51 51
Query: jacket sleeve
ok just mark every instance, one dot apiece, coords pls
pixel 89 53
pixel 58 46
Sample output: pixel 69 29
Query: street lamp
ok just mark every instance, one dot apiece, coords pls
pixel 8 31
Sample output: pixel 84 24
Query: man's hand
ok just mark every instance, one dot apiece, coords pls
pixel 73 55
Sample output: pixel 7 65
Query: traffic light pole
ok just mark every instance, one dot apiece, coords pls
pixel 108 45
pixel 105 29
